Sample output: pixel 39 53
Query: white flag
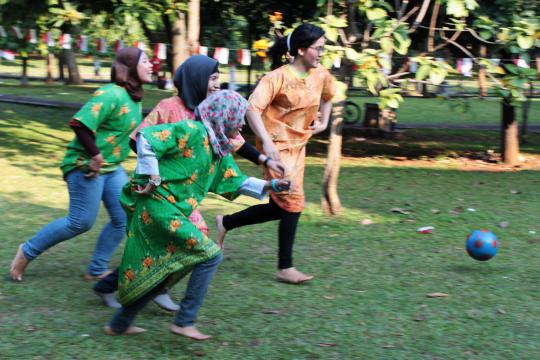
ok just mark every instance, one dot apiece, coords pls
pixel 141 45
pixel 17 32
pixel 466 67
pixel 522 63
pixel 160 50
pixel 48 39
pixel 244 57
pixel 31 36
pixel 102 45
pixel 221 55
pixel 7 54
pixel 65 41
pixel 336 63
pixel 83 43
pixel 202 50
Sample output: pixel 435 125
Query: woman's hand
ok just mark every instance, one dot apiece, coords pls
pixel 278 185
pixel 95 164
pixel 270 149
pixel 317 127
pixel 277 167
pixel 145 189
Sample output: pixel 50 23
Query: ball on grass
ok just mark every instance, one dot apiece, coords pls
pixel 482 245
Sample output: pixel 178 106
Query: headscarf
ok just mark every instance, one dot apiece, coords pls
pixel 222 113
pixel 191 79
pixel 124 71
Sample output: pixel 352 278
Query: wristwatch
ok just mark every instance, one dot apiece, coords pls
pixel 156 181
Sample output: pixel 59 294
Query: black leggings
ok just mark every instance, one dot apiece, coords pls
pixel 288 221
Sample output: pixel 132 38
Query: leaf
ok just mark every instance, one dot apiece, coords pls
pixel 327 344
pixel 376 14
pixel 524 41
pixel 504 224
pixel 273 312
pixel 366 222
pixel 437 295
pixel 331 34
pixel 387 44
pixel 400 211
pixel 420 317
pixel 423 72
pixel 456 8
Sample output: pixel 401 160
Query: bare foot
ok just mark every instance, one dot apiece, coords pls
pixel 132 330
pixel 89 277
pixel 189 331
pixel 18 264
pixel 221 231
pixel 292 276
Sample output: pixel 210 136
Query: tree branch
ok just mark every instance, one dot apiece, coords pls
pixel 420 16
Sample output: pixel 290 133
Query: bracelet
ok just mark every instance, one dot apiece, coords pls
pixel 274 185
pixel 265 162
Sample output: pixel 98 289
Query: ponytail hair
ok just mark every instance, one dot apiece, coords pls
pixel 302 37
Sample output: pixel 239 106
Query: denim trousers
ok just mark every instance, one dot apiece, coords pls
pixel 85 196
pixel 197 286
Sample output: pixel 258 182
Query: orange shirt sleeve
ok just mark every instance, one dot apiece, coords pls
pixel 329 87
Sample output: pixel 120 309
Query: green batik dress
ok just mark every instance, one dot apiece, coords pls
pixel 111 115
pixel 162 243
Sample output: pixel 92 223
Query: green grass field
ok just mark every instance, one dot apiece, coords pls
pixel 369 298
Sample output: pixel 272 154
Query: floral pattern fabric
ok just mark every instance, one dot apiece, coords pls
pixel 111 115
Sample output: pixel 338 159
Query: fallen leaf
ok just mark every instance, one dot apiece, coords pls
pixel 437 295
pixel 388 346
pixel 504 224
pixel 327 344
pixel 515 192
pixel 435 211
pixel 420 318
pixel 471 209
pixel 366 222
pixel 501 311
pixel 457 210
pixel 30 328
pixel 329 297
pixel 199 353
pixel 400 211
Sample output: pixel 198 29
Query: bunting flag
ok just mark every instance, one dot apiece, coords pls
pixel 160 51
pixel 118 45
pixel 221 55
pixel 31 36
pixel 17 32
pixel 465 66
pixel 495 61
pixel 65 41
pixel 522 63
pixel 244 57
pixel 2 31
pixel 201 50
pixel 101 45
pixel 336 62
pixel 7 54
pixel 82 43
pixel 413 66
pixel 48 39
pixel 140 45
pixel 387 66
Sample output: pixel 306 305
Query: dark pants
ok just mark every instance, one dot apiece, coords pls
pixel 288 222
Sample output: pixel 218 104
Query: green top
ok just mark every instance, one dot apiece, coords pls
pixel 112 115
pixel 162 242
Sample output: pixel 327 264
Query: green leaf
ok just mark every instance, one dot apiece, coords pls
pixel 485 34
pixel 403 47
pixel 376 14
pixel 351 54
pixel 471 4
pixel 380 31
pixel 387 44
pixel 331 34
pixel 393 103
pixel 456 8
pixel 512 68
pixel 524 41
pixel 423 72
pixel 436 76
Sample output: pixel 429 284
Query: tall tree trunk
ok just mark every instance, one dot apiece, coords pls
pixel 525 115
pixel 61 63
pixel 330 199
pixel 194 25
pixel 179 40
pixel 50 58
pixel 24 75
pixel 74 76
pixel 509 134
pixel 482 82
pixel 538 67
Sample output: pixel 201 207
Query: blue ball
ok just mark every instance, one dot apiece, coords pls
pixel 482 245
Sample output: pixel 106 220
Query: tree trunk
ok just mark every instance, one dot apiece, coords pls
pixel 61 63
pixel 482 83
pixel 525 115
pixel 74 77
pixel 179 40
pixel 194 25
pixel 509 134
pixel 50 58
pixel 330 199
pixel 538 67
pixel 24 77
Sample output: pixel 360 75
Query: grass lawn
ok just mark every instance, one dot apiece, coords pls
pixel 412 111
pixel 369 298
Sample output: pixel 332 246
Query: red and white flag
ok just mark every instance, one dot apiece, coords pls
pixel 413 65
pixel 201 50
pixel 160 50
pixel 140 45
pixel 82 43
pixel 118 45
pixel 465 66
pixel 65 41
pixel 221 55
pixel 7 54
pixel 101 45
pixel 336 63
pixel 2 31
pixel 48 39
pixel 31 36
pixel 17 31
pixel 522 63
pixel 244 57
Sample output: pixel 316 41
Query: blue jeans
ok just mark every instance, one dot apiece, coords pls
pixel 85 196
pixel 189 306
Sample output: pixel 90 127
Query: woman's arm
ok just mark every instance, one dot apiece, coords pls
pixel 256 124
pixel 325 109
pixel 88 142
pixel 247 151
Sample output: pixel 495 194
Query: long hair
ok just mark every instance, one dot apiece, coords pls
pixel 302 37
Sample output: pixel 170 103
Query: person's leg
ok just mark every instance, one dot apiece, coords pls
pixel 84 199
pixel 114 231
pixel 197 287
pixel 123 317
pixel 255 214
pixel 105 289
